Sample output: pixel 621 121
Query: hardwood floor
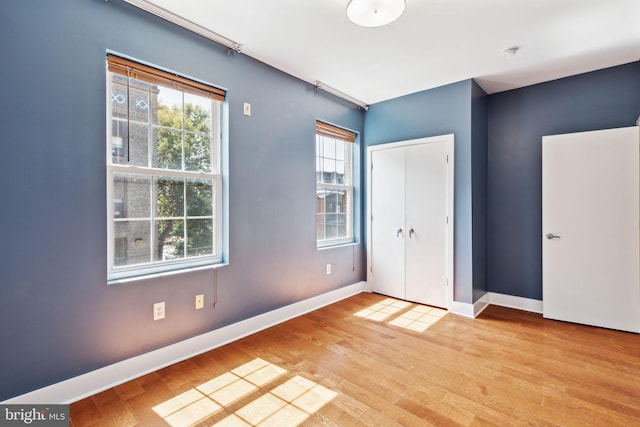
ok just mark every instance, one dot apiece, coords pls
pixel 349 365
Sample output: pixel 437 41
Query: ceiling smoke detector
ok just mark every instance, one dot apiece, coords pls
pixel 509 52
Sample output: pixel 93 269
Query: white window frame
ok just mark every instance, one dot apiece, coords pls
pixel 119 273
pixel 347 187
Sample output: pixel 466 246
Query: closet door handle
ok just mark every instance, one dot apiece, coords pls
pixel 399 232
pixel 411 232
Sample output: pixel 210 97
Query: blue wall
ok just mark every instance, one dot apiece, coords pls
pixel 518 119
pixel 479 148
pixel 59 317
pixel 439 111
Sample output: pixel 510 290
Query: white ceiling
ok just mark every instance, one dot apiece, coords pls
pixel 435 42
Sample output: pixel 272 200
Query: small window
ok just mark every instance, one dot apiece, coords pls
pixel 163 171
pixel 334 185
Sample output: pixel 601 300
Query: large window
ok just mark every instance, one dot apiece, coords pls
pixel 163 171
pixel 334 185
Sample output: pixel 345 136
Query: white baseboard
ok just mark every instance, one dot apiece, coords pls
pixel 481 304
pixel 93 382
pixel 493 298
pixel 469 310
pixel 461 309
pixel 520 303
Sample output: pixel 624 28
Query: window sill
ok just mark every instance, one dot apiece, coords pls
pixel 337 245
pixel 165 273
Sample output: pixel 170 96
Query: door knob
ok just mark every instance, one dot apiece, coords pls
pixel 551 236
pixel 399 232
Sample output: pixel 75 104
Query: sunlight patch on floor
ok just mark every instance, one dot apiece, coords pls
pixel 288 404
pixel 187 408
pixel 418 318
pixel 383 310
pixel 403 314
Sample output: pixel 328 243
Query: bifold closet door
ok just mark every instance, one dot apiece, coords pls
pixel 590 226
pixel 426 223
pixel 387 222
pixel 408 222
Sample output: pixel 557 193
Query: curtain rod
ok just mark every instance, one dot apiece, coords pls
pixel 233 46
pixel 185 23
pixel 333 91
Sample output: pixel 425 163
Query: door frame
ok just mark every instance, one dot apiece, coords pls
pixel 449 139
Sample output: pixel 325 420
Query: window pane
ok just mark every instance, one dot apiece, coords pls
pixel 169 107
pixel 332 226
pixel 133 134
pixel 131 242
pixel 197 113
pixel 329 147
pixel 167 146
pixel 118 96
pixel 340 172
pixel 336 201
pixel 328 171
pixel 197 152
pixel 342 202
pixel 340 149
pixel 321 204
pixel 199 197
pixel 132 196
pixel 169 240
pixel 199 237
pixel 118 141
pixel 139 145
pixel 331 202
pixel 342 225
pixel 139 101
pixel 169 194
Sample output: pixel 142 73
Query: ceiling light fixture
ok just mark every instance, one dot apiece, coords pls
pixel 374 13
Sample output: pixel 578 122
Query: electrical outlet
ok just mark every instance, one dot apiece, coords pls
pixel 328 268
pixel 199 301
pixel 158 310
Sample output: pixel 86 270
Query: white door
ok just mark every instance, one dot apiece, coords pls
pixel 590 220
pixel 426 223
pixel 387 222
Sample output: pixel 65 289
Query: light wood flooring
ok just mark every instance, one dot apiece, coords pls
pixel 370 360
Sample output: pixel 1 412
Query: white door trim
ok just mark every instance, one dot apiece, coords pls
pixel 449 139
